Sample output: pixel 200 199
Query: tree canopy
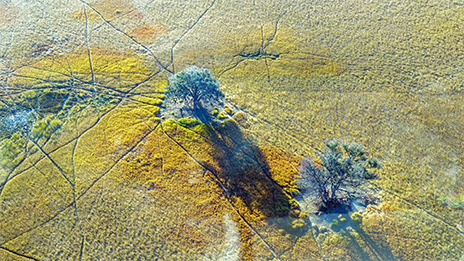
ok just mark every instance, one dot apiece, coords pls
pixel 193 86
pixel 339 173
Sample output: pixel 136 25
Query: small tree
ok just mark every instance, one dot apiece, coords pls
pixel 193 86
pixel 340 173
pixel 19 121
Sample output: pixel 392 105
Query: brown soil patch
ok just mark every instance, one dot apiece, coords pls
pixel 148 32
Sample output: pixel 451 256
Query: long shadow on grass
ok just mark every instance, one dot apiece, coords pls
pixel 247 174
pixel 244 172
pixel 380 252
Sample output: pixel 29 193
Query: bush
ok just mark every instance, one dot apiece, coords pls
pixel 222 116
pixel 292 191
pixel 228 110
pixel 10 149
pixel 30 94
pixel 45 128
pixel 298 226
pixel 356 216
pixel 189 122
pixel 334 224
pixel 323 230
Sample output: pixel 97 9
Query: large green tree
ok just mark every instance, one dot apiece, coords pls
pixel 193 86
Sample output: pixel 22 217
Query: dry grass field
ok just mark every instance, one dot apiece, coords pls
pixel 90 169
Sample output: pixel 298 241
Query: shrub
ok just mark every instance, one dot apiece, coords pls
pixel 228 110
pixel 298 226
pixel 356 216
pixel 45 127
pixel 189 122
pixel 342 219
pixel 10 149
pixel 30 94
pixel 334 224
pixel 323 230
pixel 240 117
pixel 292 191
pixel 222 116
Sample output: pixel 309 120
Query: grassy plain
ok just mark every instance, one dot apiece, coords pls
pixel 103 177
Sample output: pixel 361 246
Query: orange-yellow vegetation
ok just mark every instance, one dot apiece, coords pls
pixel 170 162
pixel 172 176
pixel 43 192
pixel 283 167
pixel 337 247
pixel 240 173
pixel 416 135
pixel 148 33
pixel 111 68
pixel 116 133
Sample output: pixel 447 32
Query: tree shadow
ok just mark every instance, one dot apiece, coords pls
pixel 185 110
pixel 380 252
pixel 247 176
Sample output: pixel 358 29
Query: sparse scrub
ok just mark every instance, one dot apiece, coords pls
pixel 228 110
pixel 222 116
pixel 45 127
pixel 11 149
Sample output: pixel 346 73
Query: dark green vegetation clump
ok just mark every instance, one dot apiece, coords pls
pixel 338 175
pixel 189 122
